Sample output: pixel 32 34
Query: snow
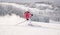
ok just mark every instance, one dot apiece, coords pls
pixel 8 27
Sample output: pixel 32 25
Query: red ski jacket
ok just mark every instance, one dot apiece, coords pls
pixel 27 15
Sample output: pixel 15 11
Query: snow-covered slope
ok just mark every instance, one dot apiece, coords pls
pixel 8 27
pixel 9 24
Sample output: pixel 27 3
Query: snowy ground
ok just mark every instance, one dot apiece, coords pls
pixel 8 27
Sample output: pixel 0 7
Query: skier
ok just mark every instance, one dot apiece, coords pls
pixel 27 16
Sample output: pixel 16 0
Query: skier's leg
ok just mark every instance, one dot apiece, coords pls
pixel 29 22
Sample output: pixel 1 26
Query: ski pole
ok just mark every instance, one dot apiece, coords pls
pixel 21 22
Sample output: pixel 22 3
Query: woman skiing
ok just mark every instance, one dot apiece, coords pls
pixel 27 15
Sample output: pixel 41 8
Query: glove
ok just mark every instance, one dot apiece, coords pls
pixel 31 14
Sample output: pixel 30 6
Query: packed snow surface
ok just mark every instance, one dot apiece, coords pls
pixel 8 27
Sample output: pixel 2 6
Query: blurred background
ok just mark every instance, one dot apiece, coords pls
pixel 43 10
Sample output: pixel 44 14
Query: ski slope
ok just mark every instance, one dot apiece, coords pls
pixel 8 27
